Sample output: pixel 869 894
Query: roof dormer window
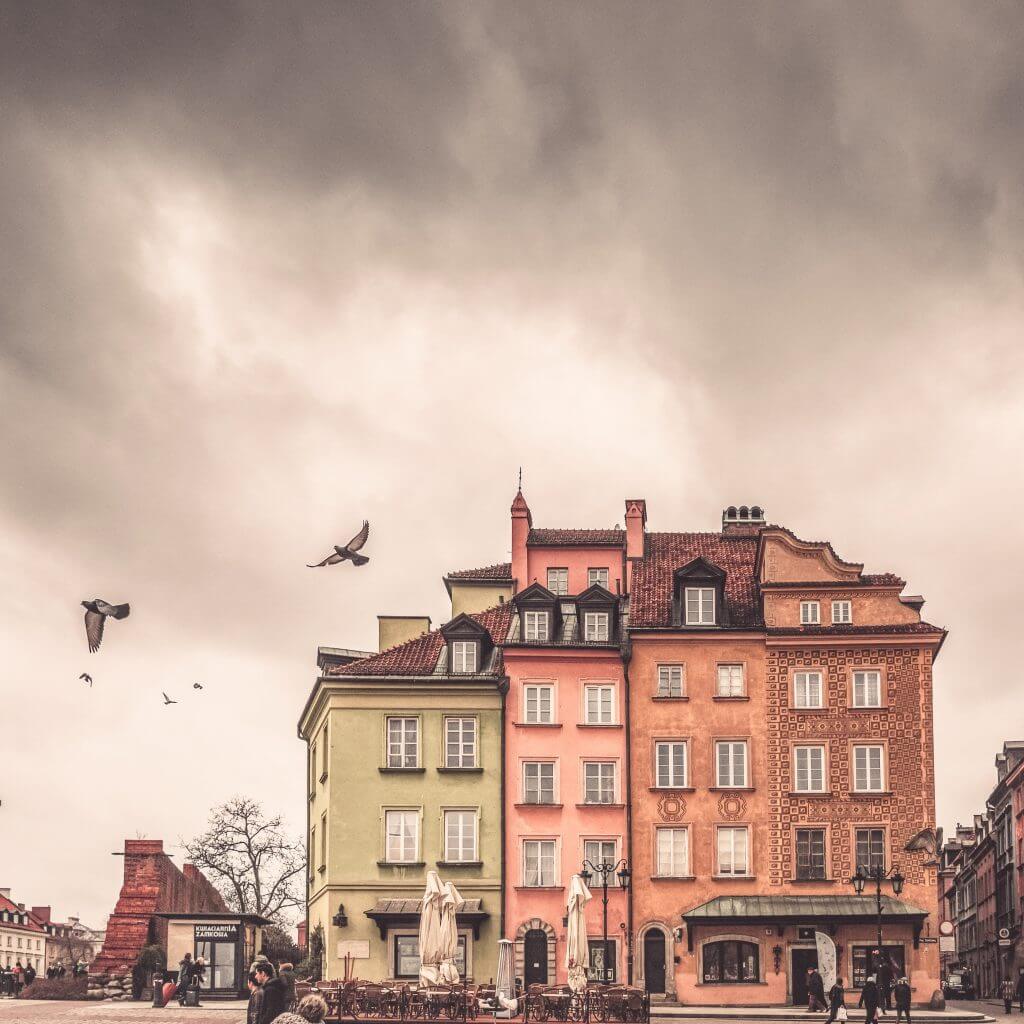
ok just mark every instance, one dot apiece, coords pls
pixel 464 656
pixel 698 595
pixel 536 626
pixel 469 645
pixel 595 625
pixel 700 606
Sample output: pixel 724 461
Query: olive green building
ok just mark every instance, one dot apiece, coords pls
pixel 404 776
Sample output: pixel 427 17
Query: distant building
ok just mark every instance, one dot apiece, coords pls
pixel 69 942
pixel 22 937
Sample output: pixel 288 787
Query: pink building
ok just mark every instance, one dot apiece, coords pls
pixel 566 764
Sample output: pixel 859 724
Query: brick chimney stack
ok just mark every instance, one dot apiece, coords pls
pixel 522 522
pixel 636 527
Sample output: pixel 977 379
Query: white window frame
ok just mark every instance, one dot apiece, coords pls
pixel 670 781
pixel 862 688
pixel 541 855
pixel 464 656
pixel 404 742
pixel 842 613
pixel 541 690
pixel 807 748
pixel 728 865
pixel 594 625
pixel 474 818
pixel 665 677
pixel 602 782
pixel 612 841
pixel 731 747
pixel 802 689
pixel 729 678
pixel 669 867
pixel 606 710
pixel 539 780
pixel 462 758
pixel 561 582
pixel 868 769
pixel 700 618
pixel 810 613
pixel 536 626
pixel 595 578
pixel 403 814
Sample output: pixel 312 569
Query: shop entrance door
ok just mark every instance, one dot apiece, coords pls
pixel 221 973
pixel 803 961
pixel 654 961
pixel 535 957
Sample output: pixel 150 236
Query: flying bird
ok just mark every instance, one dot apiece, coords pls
pixel 86 678
pixel 197 686
pixel 348 552
pixel 96 612
pixel 167 700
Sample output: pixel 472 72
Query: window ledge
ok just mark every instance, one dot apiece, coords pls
pixel 673 878
pixel 537 725
pixel 814 881
pixel 606 807
pixel 401 771
pixel 735 878
pixel 667 698
pixel 808 711
pixel 401 863
pixel 740 698
pixel 323 778
pixel 456 771
pixel 312 796
pixel 864 707
pixel 539 888
pixel 672 789
pixel 811 793
pixel 322 868
pixel 732 789
pixel 861 794
pixel 598 725
pixel 460 863
pixel 531 806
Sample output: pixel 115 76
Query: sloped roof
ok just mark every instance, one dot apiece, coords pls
pixel 32 924
pixel 853 628
pixel 498 571
pixel 884 579
pixel 419 656
pixel 559 538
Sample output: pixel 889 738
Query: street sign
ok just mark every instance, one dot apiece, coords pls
pixel 946 928
pixel 1004 933
pixel 947 944
pixel 929 938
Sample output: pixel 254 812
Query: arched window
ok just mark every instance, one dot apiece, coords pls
pixel 731 962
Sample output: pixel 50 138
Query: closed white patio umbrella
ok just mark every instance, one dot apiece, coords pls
pixel 451 904
pixel 430 930
pixel 576 950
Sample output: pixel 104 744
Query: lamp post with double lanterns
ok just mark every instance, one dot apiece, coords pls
pixel 878 874
pixel 604 871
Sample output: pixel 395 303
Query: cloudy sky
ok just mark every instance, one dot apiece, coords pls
pixel 269 269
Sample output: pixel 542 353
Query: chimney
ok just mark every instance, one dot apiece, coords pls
pixel 742 519
pixel 393 630
pixel 42 914
pixel 522 523
pixel 636 527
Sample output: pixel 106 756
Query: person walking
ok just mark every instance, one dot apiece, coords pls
pixel 274 992
pixel 884 979
pixel 286 972
pixel 29 975
pixel 1020 991
pixel 1007 990
pixel 901 995
pixel 837 1003
pixel 869 999
pixel 252 1011
pixel 185 969
pixel 815 991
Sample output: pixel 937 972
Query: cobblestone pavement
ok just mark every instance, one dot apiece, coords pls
pixel 27 1011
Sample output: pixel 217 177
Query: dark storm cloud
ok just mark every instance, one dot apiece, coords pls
pixel 269 268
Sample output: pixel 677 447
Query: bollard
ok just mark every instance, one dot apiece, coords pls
pixel 158 988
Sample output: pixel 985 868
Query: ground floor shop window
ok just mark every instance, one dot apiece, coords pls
pixel 864 962
pixel 598 966
pixel 407 956
pixel 220 964
pixel 731 962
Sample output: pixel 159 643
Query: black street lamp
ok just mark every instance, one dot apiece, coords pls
pixel 605 871
pixel 878 874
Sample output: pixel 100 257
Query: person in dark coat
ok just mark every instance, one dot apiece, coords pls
pixel 1020 991
pixel 30 975
pixel 869 999
pixel 274 993
pixel 185 969
pixel 901 994
pixel 836 999
pixel 252 1013
pixel 286 972
pixel 884 980
pixel 815 991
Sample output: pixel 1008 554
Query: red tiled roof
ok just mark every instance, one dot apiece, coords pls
pixel 848 629
pixel 32 924
pixel 886 579
pixel 576 538
pixel 651 600
pixel 882 579
pixel 419 656
pixel 499 571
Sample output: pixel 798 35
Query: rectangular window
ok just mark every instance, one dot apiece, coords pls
pixel 599 970
pixel 403 833
pixel 312 858
pixel 599 782
pixel 733 851
pixel 670 764
pixel 672 852
pixel 731 761
pixel 460 836
pixel 538 782
pixel 460 743
pixel 598 577
pixel 324 754
pixel 810 853
pixel 407 956
pixel 403 743
pixel 536 625
pixel 810 613
pixel 323 842
pixel 595 627
pixel 539 863
pixel 600 701
pixel 312 769
pixel 870 848
pixel 807 690
pixel 842 612
pixel 730 681
pixel 558 581
pixel 538 705
pixel 670 680
pixel 867 689
pixel 868 774
pixel 464 656
pixel 601 851
pixel 700 606
pixel 809 769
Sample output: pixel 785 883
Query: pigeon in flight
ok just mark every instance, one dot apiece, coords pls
pixel 197 686
pixel 167 700
pixel 85 677
pixel 348 552
pixel 96 612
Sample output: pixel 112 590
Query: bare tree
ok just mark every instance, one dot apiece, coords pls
pixel 254 865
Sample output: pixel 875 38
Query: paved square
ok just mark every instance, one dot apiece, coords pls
pixel 27 1011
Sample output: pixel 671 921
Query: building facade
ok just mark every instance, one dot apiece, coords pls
pixel 22 937
pixel 404 752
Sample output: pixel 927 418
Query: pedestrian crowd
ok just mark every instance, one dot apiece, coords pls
pixel 882 990
pixel 14 978
pixel 1008 991
pixel 272 998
